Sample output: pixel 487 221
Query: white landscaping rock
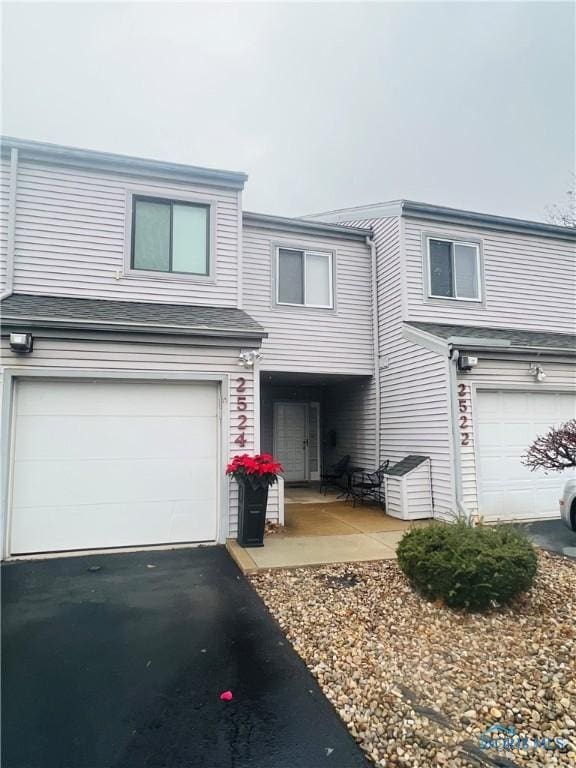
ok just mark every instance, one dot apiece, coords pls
pixel 413 680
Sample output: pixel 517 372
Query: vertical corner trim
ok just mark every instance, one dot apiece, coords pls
pixel 11 223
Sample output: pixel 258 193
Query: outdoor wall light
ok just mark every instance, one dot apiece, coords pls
pixel 467 362
pixel 21 342
pixel 537 371
pixel 246 359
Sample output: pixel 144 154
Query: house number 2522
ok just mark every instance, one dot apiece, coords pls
pixel 463 415
pixel 241 405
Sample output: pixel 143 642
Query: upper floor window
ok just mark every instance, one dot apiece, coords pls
pixel 453 270
pixel 170 236
pixel 304 278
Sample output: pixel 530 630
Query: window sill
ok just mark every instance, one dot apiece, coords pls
pixel 302 308
pixel 449 301
pixel 169 277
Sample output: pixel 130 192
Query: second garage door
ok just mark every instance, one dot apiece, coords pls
pixel 99 464
pixel 507 423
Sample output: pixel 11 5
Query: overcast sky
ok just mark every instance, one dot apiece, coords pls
pixel 324 105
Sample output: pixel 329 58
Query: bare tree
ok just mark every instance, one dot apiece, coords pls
pixel 554 451
pixel 564 213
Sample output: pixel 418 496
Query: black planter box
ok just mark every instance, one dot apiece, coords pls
pixel 252 504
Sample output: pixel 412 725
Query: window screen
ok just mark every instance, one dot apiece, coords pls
pixel 318 280
pixel 465 269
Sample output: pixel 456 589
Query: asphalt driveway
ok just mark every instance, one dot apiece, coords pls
pixel 554 536
pixel 118 661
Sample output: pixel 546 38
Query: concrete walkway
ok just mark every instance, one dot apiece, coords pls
pixel 325 532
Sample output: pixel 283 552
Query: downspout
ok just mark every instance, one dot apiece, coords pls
pixel 11 225
pixel 456 455
pixel 375 347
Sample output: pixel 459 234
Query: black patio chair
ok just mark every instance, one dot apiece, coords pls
pixel 336 472
pixel 370 485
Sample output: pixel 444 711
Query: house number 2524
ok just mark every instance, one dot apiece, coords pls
pixel 241 405
pixel 463 416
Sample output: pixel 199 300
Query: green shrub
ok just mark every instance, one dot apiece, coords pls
pixel 468 567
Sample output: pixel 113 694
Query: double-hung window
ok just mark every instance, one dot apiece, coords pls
pixel 170 236
pixel 304 278
pixel 453 270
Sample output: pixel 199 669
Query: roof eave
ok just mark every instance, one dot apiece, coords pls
pixel 505 345
pixel 128 327
pixel 485 220
pixel 38 150
pixel 280 223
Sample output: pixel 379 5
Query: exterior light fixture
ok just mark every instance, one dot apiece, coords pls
pixel 247 359
pixel 21 342
pixel 467 362
pixel 537 371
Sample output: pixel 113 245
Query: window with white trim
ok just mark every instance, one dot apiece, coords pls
pixel 304 278
pixel 170 236
pixel 453 270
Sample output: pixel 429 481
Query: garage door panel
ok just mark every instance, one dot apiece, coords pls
pixel 94 526
pixel 549 410
pixel 107 480
pixel 48 437
pixel 112 464
pixel 507 423
pixel 130 398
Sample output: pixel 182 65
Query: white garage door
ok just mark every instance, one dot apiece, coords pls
pixel 111 464
pixel 508 421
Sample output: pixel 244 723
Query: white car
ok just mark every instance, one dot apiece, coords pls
pixel 568 504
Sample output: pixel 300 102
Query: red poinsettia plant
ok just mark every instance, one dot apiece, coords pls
pixel 261 471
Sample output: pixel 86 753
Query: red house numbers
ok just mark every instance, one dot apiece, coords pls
pixel 241 405
pixel 463 411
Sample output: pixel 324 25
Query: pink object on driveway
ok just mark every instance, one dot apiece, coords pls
pixel 226 696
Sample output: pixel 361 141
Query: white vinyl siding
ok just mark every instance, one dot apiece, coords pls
pixel 73 236
pixel 307 339
pixel 350 413
pixel 413 381
pixel 4 197
pixel 122 357
pixel 528 279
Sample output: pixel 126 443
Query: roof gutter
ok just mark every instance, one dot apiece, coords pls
pixel 11 225
pixel 46 152
pixel 489 221
pixel 278 223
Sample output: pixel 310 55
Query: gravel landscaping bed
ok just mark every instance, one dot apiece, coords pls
pixel 418 684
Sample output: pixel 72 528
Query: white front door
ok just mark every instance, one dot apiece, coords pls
pixel 290 433
pixel 99 464
pixel 507 423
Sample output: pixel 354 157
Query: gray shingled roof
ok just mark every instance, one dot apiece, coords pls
pixel 518 339
pixel 406 465
pixel 66 312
